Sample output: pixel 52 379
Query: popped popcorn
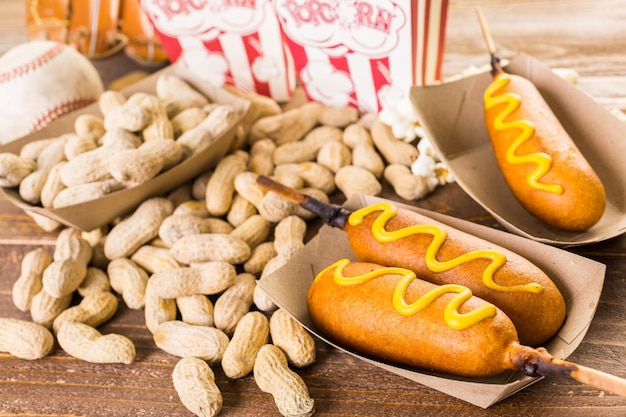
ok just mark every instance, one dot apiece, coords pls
pixel 403 120
pixel 429 166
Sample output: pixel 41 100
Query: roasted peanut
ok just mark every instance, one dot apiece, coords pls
pixel 364 155
pixel 261 157
pixel 321 135
pixel 180 194
pixel 259 258
pixel 240 210
pixel 176 226
pixel 216 123
pixel 260 298
pixel 246 186
pixel 404 183
pixel 172 87
pixel 234 303
pixel 392 149
pixel 87 167
pixel 157 310
pixel 142 226
pixel 89 126
pixel 194 382
pixel 367 120
pixel 86 343
pixel 289 235
pixel 294 340
pixel 78 145
pixel 206 278
pixel 194 207
pixel 254 230
pixel 129 280
pixel 14 168
pixel 260 105
pixel 334 155
pixel 53 185
pixel 289 126
pixel 94 309
pixel 313 174
pixel 196 309
pixel 353 180
pixel 220 188
pixel 272 375
pixel 52 154
pixel 31 150
pixel 63 277
pixel 274 208
pixel 109 100
pixel 250 335
pixel 185 340
pixel 44 222
pixel 159 125
pixel 95 281
pixel 355 134
pixel 341 116
pixel 44 308
pixel 71 245
pixel 30 187
pixel 130 116
pixel 206 247
pixel 77 194
pixel 187 120
pixel 25 339
pixel 118 138
pixel 136 166
pixel 294 152
pixel 154 259
pixel 31 273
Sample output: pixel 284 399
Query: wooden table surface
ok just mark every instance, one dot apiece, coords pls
pixel 588 36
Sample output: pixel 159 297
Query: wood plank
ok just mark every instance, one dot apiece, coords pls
pixel 584 35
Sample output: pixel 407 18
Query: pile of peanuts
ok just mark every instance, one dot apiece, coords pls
pixel 190 260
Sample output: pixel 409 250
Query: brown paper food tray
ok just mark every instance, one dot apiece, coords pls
pixel 579 279
pixel 92 214
pixel 452 115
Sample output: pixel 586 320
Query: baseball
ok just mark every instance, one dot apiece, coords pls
pixel 40 81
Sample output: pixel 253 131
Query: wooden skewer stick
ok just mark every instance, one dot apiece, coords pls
pixel 538 362
pixel 491 47
pixel 333 214
pixel 532 362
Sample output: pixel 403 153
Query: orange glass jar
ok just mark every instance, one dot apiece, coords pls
pixel 94 27
pixel 144 45
pixel 47 19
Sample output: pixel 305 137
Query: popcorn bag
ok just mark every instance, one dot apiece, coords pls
pixel 363 53
pixel 226 42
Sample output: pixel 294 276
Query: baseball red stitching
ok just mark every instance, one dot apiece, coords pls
pixel 33 64
pixel 58 110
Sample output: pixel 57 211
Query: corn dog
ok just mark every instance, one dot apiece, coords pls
pixel 390 314
pixel 544 169
pixel 440 254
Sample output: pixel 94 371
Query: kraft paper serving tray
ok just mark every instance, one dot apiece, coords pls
pixel 579 279
pixel 452 115
pixel 96 213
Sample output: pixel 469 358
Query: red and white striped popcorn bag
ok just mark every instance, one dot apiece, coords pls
pixel 363 53
pixel 226 42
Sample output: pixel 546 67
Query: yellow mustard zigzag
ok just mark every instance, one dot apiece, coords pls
pixel 513 101
pixel 451 315
pixel 498 259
